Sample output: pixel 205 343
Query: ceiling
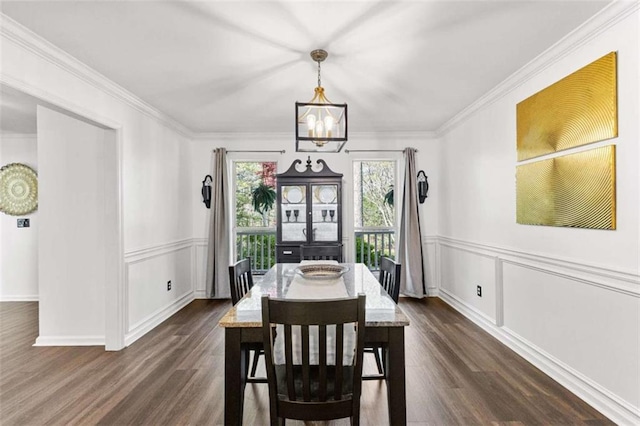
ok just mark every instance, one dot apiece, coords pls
pixel 239 66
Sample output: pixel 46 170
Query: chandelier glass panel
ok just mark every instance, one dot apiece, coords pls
pixel 321 126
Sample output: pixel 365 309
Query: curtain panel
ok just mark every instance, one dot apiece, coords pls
pixel 217 284
pixel 410 256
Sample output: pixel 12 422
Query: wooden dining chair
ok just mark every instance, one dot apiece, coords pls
pixel 333 252
pixel 309 377
pixel 389 279
pixel 241 281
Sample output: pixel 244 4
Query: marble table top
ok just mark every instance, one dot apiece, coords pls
pixel 381 311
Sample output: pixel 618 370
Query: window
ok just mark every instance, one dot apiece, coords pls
pixel 374 210
pixel 255 217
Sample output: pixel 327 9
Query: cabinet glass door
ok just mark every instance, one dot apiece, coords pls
pixel 293 211
pixel 324 213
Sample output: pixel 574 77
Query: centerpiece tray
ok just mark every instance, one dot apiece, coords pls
pixel 321 271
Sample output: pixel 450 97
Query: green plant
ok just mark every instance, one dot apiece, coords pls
pixel 262 198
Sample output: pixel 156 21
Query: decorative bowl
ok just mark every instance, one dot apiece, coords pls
pixel 321 271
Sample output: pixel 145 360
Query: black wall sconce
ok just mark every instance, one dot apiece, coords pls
pixel 206 191
pixel 423 186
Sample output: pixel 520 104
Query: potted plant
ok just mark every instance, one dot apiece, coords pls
pixel 262 197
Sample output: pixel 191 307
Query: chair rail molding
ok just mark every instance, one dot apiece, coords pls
pixel 623 281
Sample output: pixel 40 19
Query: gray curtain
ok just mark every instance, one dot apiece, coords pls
pixel 412 282
pixel 218 248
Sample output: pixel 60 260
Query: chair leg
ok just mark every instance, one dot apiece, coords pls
pixel 254 365
pixel 376 353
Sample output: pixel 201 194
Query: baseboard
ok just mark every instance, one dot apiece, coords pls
pixel 592 393
pixel 200 294
pixel 149 323
pixel 32 298
pixel 69 341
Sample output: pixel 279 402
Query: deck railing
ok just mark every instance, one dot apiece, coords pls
pixel 372 244
pixel 260 244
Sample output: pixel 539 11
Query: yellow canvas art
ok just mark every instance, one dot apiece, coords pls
pixel 575 190
pixel 577 110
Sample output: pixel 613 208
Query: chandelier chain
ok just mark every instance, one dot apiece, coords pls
pixel 319 83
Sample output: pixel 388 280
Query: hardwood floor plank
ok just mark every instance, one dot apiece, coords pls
pixel 456 375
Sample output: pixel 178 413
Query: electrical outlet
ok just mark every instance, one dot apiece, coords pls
pixel 168 285
pixel 479 291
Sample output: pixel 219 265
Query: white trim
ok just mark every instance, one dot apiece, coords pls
pixel 253 136
pixel 200 294
pixel 32 42
pixel 147 324
pixel 602 21
pixel 499 291
pixel 591 392
pixel 20 298
pixel 149 252
pixel 625 282
pixel 69 341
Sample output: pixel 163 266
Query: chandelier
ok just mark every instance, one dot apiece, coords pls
pixel 321 126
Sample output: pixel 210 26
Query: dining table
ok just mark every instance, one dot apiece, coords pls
pixel 384 326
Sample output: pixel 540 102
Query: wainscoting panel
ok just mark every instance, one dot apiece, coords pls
pixel 200 273
pixel 462 270
pixel 592 329
pixel 147 273
pixel 579 323
pixel 431 264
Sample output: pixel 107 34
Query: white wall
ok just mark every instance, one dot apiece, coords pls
pixel 427 159
pixel 153 156
pixel 569 299
pixel 19 246
pixel 75 199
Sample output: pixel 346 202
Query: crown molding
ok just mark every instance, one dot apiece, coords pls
pixel 289 136
pixel 597 24
pixel 27 39
pixel 241 136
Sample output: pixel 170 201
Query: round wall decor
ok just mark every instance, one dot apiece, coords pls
pixel 18 189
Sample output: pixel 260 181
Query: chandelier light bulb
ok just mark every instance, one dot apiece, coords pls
pixel 319 129
pixel 311 124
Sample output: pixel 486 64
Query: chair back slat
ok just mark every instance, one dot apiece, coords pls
pixel 339 352
pixel 322 361
pixel 317 386
pixel 306 380
pixel 390 277
pixel 288 349
pixel 240 279
pixel 321 252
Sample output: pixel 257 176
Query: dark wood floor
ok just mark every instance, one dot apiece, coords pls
pixel 456 375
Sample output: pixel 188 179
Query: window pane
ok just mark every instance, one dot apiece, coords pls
pixel 374 212
pixel 373 194
pixel 255 233
pixel 255 187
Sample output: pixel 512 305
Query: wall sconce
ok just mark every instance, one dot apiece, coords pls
pixel 423 186
pixel 206 191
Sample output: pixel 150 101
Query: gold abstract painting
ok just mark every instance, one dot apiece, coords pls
pixel 577 110
pixel 575 190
